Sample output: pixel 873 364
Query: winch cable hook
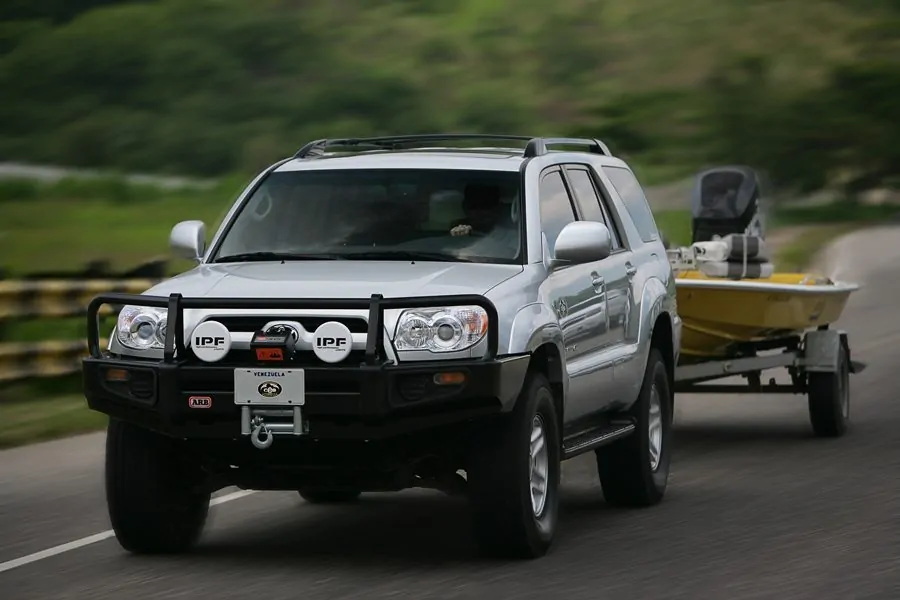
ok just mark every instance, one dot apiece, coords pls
pixel 261 429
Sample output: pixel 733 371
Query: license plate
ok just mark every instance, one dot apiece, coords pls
pixel 282 387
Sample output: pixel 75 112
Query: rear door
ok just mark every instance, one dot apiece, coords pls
pixel 644 260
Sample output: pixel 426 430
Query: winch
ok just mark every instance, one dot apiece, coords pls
pixel 286 421
pixel 262 421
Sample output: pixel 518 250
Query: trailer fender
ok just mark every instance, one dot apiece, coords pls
pixel 822 351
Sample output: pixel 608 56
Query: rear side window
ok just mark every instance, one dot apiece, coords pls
pixel 635 202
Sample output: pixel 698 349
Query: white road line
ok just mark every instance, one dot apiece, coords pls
pixel 97 537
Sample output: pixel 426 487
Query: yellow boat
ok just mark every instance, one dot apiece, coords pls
pixel 720 316
pixel 729 297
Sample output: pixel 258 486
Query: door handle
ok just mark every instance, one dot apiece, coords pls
pixel 597 281
pixel 630 270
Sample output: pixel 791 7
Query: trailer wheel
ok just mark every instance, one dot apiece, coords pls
pixel 829 399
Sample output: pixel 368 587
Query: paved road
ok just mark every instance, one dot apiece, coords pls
pixel 757 508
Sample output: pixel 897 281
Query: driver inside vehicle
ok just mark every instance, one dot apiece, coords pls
pixel 488 221
pixel 483 210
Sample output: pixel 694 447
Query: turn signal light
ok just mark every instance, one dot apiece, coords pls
pixel 452 378
pixel 118 375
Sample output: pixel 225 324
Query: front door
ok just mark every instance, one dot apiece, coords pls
pixel 577 295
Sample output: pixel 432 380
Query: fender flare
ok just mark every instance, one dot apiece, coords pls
pixel 533 326
pixel 654 302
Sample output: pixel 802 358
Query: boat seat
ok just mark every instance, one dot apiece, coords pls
pixel 735 256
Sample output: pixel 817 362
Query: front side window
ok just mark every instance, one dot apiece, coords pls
pixel 424 214
pixel 556 207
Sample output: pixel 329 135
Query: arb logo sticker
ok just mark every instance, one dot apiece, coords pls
pixel 200 402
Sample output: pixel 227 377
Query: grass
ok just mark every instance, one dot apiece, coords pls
pixel 35 420
pixel 45 410
pixel 62 226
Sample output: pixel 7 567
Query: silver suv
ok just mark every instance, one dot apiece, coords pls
pixel 384 313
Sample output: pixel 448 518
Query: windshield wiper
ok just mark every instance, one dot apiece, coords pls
pixel 404 255
pixel 284 256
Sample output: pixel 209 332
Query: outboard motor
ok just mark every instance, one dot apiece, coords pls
pixel 725 200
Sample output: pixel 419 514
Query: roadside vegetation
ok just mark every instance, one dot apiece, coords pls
pixel 804 90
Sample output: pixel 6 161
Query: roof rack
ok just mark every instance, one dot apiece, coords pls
pixel 536 146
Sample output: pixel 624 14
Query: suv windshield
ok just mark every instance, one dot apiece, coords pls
pixel 422 214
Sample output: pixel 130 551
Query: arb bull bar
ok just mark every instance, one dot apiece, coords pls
pixel 258 421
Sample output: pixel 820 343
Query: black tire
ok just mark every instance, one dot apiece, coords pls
pixel 329 496
pixel 150 492
pixel 829 399
pixel 627 475
pixel 499 478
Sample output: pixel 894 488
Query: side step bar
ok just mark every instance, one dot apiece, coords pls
pixel 594 438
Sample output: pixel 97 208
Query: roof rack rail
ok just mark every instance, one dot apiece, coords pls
pixel 392 142
pixel 536 146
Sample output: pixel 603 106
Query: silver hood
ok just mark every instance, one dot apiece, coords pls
pixel 336 279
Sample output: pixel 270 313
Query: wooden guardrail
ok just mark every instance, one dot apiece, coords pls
pixel 51 299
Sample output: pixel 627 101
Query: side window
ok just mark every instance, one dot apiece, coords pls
pixel 635 202
pixel 585 195
pixel 589 201
pixel 556 207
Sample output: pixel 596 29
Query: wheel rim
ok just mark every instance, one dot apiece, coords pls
pixel 655 428
pixel 540 466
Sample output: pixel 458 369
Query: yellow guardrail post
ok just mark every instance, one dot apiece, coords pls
pixel 41 359
pixel 52 299
pixel 60 298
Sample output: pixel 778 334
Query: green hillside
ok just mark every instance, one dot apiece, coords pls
pixel 803 88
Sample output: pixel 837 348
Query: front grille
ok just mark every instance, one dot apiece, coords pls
pixel 302 358
pixel 253 323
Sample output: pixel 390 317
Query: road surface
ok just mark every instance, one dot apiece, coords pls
pixel 756 509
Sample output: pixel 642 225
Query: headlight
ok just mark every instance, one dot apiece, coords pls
pixel 142 328
pixel 445 329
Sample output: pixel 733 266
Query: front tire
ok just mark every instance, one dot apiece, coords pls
pixel 150 493
pixel 513 477
pixel 829 399
pixel 634 471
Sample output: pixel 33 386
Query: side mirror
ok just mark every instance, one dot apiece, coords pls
pixel 188 240
pixel 581 242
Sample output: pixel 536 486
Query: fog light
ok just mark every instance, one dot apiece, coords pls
pixel 453 378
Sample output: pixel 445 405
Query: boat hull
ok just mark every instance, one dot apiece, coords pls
pixel 721 314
